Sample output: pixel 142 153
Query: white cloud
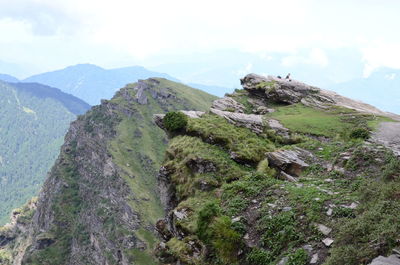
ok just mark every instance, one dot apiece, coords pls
pixel 316 56
pixel 125 31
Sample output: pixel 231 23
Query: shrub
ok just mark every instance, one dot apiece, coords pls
pixel 226 241
pixel 360 133
pixel 206 215
pixel 175 121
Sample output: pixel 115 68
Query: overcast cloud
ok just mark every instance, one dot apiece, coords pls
pixel 49 34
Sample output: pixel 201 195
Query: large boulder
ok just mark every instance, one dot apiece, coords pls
pixel 285 90
pixel 391 260
pixel 290 162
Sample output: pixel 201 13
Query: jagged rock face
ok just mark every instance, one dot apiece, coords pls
pixel 99 203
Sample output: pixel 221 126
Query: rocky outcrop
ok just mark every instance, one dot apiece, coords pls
pixel 290 162
pixel 290 91
pixel 284 90
pixel 228 104
pixel 251 121
pixel 391 260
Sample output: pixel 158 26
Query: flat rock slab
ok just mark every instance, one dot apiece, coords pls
pixel 253 122
pixel 391 260
pixel 289 161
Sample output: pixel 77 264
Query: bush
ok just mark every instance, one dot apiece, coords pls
pixel 206 215
pixel 175 121
pixel 360 133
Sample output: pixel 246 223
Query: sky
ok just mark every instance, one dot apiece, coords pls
pixel 43 35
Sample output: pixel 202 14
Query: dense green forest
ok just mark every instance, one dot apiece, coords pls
pixel 32 128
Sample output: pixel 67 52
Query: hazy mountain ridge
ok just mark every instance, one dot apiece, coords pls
pixel 93 83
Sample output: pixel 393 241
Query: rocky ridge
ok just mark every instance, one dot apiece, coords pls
pixel 277 173
pixel 99 204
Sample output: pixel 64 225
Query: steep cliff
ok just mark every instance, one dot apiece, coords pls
pixel 99 204
pixel 279 173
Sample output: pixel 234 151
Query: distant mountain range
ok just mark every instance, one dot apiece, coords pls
pixel 93 83
pixel 33 121
pixel 214 73
pixel 381 89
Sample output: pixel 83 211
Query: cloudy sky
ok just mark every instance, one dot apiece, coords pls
pixel 48 34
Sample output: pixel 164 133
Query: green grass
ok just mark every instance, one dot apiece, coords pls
pixel 307 120
pixel 184 149
pixel 247 146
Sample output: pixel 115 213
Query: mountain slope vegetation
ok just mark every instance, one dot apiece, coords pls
pixel 99 204
pixel 279 173
pixel 33 121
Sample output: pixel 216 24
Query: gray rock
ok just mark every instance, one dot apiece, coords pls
pixel 277 127
pixel 324 229
pixel 314 259
pixel 327 241
pixel 284 90
pixel 228 104
pixel 391 260
pixel 251 121
pixel 289 161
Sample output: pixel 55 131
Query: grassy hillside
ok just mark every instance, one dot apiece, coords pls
pixel 234 206
pixel 102 188
pixel 32 129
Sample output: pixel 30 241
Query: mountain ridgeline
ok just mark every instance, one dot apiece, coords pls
pixel 278 172
pixel 33 121
pixel 99 203
pixel 93 83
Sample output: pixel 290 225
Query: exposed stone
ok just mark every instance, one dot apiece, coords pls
pixel 314 259
pixel 251 121
pixel 324 229
pixel 283 261
pixel 200 165
pixel 278 127
pixel 289 161
pixel 284 90
pixel 228 104
pixel 329 212
pixel 327 241
pixel 391 260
